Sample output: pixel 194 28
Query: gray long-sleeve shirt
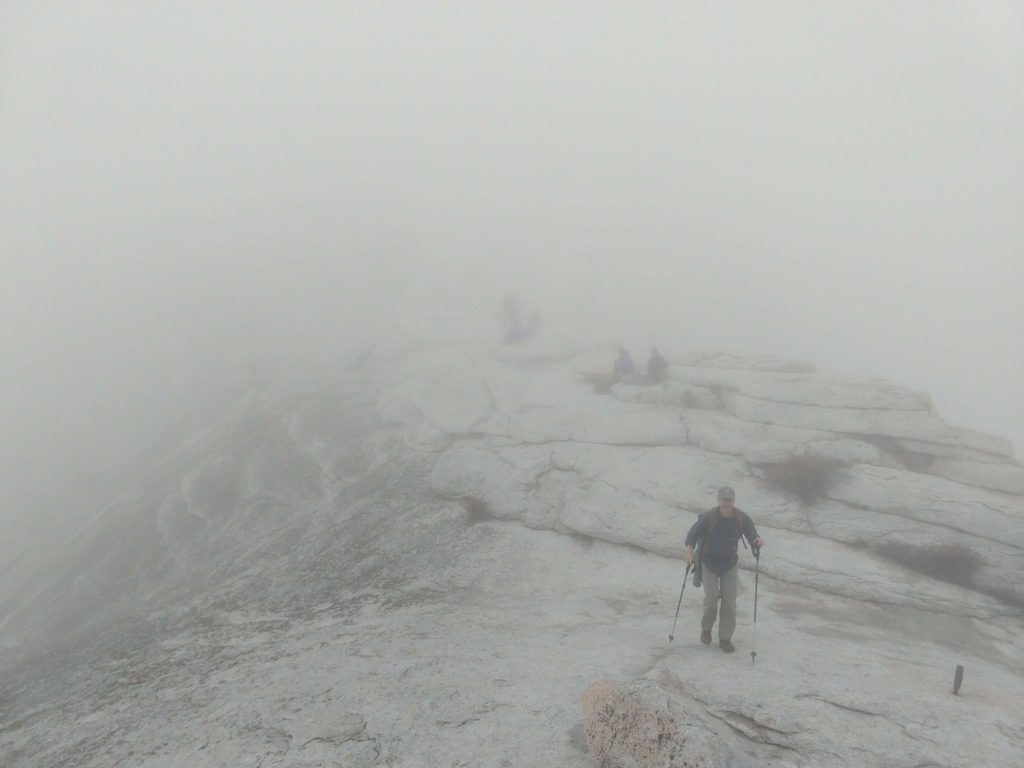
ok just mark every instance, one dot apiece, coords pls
pixel 720 552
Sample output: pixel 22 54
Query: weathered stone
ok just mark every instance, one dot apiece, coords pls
pixel 669 392
pixel 622 733
pixel 770 444
pixel 732 361
pixel 946 451
pixel 589 422
pixel 454 402
pixel 915 424
pixel 401 614
pixel 821 389
pixel 648 498
pixel 999 565
pixel 980 441
pixel 1000 477
pixel 934 500
pixel 544 349
pixel 443 385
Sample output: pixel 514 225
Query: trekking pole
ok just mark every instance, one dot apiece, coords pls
pixel 753 642
pixel 671 635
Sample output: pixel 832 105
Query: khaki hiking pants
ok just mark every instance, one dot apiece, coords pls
pixel 725 587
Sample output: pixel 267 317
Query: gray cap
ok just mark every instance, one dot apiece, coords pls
pixel 725 492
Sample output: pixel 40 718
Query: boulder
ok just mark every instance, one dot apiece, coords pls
pixel 623 733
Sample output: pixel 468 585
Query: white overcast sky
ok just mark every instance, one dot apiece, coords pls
pixel 840 182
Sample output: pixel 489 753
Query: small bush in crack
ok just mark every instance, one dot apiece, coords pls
pixel 954 563
pixel 477 510
pixel 806 477
pixel 1006 595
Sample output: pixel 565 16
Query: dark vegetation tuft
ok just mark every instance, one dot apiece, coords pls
pixel 477 510
pixel 955 563
pixel 806 477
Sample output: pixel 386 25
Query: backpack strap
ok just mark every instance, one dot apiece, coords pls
pixel 715 514
pixel 712 519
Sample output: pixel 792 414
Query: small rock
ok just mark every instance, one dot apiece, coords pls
pixel 622 733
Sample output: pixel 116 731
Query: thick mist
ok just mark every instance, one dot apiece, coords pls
pixel 192 192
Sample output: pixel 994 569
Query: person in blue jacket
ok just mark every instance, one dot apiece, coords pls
pixel 719 531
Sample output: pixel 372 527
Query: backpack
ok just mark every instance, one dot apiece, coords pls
pixel 699 549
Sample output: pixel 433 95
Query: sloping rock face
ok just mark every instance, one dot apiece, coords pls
pixel 431 559
pixel 637 469
pixel 984 474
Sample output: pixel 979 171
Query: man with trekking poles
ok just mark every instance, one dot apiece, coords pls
pixel 716 534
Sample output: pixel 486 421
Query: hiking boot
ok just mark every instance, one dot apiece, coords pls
pixel 726 646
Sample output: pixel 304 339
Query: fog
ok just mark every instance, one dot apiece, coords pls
pixel 191 187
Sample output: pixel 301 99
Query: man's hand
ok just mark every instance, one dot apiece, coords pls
pixel 758 543
pixel 688 555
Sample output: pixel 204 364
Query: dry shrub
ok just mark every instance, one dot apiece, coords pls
pixel 1006 595
pixel 806 477
pixel 477 510
pixel 955 563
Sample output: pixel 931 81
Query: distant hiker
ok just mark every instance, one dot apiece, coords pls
pixel 719 530
pixel 624 365
pixel 512 318
pixel 534 324
pixel 657 368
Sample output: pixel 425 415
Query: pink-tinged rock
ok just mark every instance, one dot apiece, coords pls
pixel 622 733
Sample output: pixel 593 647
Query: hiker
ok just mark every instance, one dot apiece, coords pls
pixel 624 365
pixel 657 367
pixel 719 530
pixel 534 324
pixel 512 318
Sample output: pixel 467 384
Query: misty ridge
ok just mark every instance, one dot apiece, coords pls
pixel 371 374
